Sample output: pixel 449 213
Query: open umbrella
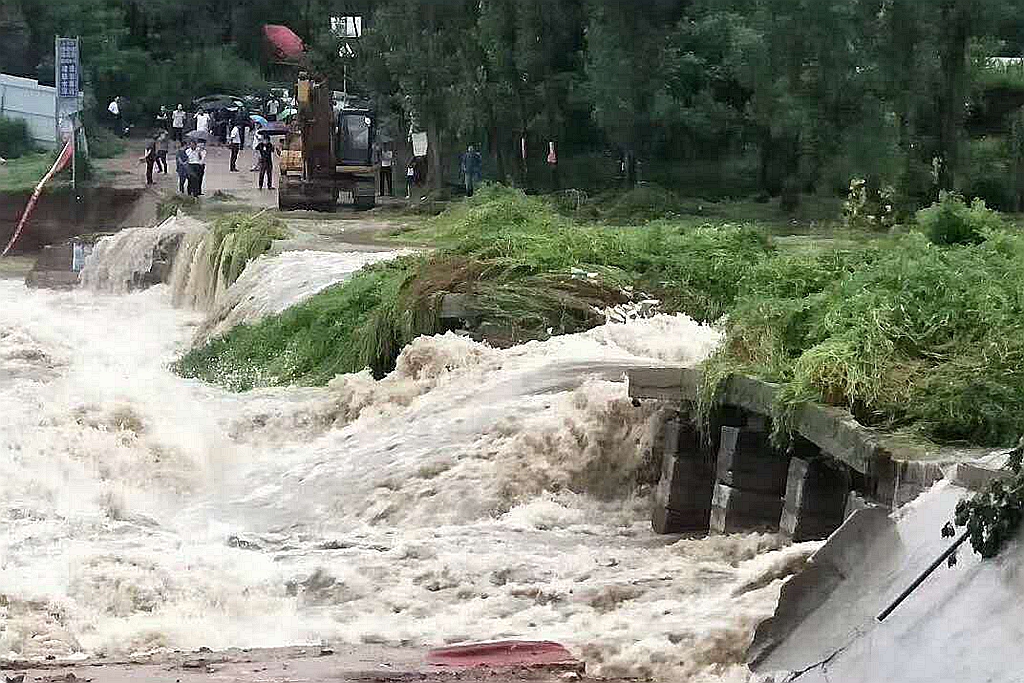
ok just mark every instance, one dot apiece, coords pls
pixel 200 135
pixel 275 128
pixel 256 118
pixel 288 113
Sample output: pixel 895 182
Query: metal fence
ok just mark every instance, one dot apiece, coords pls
pixel 23 98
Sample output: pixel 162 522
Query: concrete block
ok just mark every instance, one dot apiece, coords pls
pixel 734 510
pixel 815 500
pixel 664 384
pixel 682 499
pixel 746 461
pixel 52 279
pixel 977 478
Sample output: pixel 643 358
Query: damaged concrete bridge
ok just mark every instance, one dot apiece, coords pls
pixel 733 478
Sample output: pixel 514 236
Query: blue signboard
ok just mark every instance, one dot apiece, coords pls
pixel 67 67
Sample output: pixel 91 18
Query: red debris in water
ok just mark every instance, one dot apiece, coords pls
pixel 503 653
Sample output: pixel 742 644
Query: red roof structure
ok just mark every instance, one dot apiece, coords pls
pixel 284 45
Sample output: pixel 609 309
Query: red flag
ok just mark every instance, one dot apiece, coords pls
pixel 62 162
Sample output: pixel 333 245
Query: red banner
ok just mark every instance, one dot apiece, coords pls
pixel 63 161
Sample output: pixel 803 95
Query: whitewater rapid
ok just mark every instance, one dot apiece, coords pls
pixel 473 494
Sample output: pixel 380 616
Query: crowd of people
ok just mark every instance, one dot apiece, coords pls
pixel 192 132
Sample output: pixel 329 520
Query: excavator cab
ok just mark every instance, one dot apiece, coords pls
pixel 328 151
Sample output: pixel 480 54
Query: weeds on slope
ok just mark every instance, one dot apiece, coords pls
pixel 531 272
pixel 906 335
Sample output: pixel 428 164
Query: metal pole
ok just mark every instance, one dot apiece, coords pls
pixel 924 575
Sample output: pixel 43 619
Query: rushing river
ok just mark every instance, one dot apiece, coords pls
pixel 473 494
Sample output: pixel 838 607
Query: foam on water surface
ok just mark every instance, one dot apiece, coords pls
pixel 473 494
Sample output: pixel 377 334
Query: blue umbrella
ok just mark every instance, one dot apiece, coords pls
pixel 256 118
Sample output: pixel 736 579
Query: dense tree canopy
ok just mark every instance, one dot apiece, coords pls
pixel 708 96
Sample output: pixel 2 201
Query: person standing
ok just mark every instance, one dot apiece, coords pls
pixel 387 180
pixel 196 161
pixel 150 158
pixel 235 139
pixel 552 162
pixel 162 118
pixel 266 151
pixel 202 165
pixel 115 112
pixel 203 123
pixel 472 169
pixel 161 152
pixel 181 164
pixel 178 125
pixel 256 137
pixel 410 175
pixel 273 107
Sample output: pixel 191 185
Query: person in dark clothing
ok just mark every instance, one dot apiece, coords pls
pixel 150 158
pixel 161 152
pixel 266 153
pixel 472 169
pixel 181 162
pixel 387 162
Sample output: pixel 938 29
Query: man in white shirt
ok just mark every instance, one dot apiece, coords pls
pixel 387 161
pixel 203 123
pixel 235 140
pixel 115 110
pixel 273 107
pixel 178 124
pixel 197 168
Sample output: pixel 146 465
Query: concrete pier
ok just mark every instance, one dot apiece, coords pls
pixel 682 500
pixel 750 481
pixel 816 497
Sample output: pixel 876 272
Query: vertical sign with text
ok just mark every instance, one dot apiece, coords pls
pixel 67 67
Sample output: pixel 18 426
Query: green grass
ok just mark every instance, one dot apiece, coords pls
pixel 24 173
pixel 533 274
pixel 909 335
pixel 239 238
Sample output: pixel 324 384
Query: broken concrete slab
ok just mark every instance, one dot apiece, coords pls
pixel 734 510
pixel 963 623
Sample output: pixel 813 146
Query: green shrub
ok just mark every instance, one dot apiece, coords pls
pixel 170 204
pixel 908 334
pixel 15 139
pixel 239 238
pixel 532 272
pixel 951 221
pixel 641 204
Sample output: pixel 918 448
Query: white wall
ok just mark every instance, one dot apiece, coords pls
pixel 23 98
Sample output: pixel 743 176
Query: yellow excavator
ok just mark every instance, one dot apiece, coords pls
pixel 328 150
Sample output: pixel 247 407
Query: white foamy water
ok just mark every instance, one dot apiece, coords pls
pixel 472 494
pixel 273 284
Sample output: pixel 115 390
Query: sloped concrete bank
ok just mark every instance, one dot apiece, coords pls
pixel 964 623
pixel 62 214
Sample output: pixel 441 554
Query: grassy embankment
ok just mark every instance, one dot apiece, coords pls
pixel 907 333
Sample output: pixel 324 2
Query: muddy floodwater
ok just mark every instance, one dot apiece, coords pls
pixel 473 494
